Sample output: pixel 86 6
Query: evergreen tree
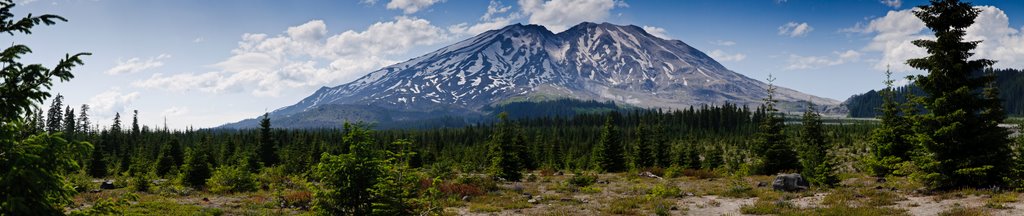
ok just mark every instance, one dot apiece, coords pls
pixel 607 153
pixel 346 180
pixel 502 153
pixel 770 144
pixel 83 120
pixel 32 165
pixel 135 123
pixel 69 122
pixel 960 132
pixel 890 140
pixel 689 156
pixel 55 115
pixel 116 127
pixel 97 163
pixel 662 148
pixel 640 150
pixel 196 169
pixel 266 150
pixel 814 149
pixel 713 157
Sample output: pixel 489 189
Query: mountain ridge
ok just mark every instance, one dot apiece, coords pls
pixel 589 61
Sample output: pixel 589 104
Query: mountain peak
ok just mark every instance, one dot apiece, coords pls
pixel 590 61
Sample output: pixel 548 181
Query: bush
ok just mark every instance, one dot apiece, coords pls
pixel 231 179
pixel 582 180
pixel 664 191
pixel 140 183
pixel 81 182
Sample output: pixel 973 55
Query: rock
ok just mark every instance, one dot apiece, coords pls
pixel 674 208
pixel 762 184
pixel 880 180
pixel 532 201
pixel 559 173
pixel 689 194
pixel 649 175
pixel 94 191
pixel 107 185
pixel 790 182
pixel 206 199
pixel 602 181
pixel 465 198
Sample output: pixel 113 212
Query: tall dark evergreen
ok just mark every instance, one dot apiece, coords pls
pixel 662 148
pixel 960 130
pixel 502 153
pixel 770 144
pixel 814 150
pixel 70 126
pixel 891 144
pixel 607 152
pixel 135 122
pixel 266 149
pixel 116 127
pixel 640 149
pixel 196 169
pixel 83 120
pixel 55 115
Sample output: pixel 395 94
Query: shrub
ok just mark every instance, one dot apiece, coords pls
pixel 664 191
pixel 297 199
pixel 582 180
pixel 231 179
pixel 81 182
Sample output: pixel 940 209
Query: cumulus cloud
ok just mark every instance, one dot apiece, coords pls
pixel 112 101
pixel 797 62
pixel 658 32
pixel 304 56
pixel 409 6
pixel 892 3
pixel 496 17
pixel 894 32
pixel 559 15
pixel 793 29
pixel 136 64
pixel 723 43
pixel 723 56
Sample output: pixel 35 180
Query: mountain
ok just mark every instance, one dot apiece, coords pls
pixel 600 62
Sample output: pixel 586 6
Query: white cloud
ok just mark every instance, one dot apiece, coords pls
pixel 658 32
pixel 892 3
pixel 559 15
pixel 797 62
pixel 198 40
pixel 497 16
pixel 112 101
pixel 793 29
pixel 410 6
pixel 722 56
pixel 174 111
pixel 304 56
pixel 894 32
pixel 136 64
pixel 723 42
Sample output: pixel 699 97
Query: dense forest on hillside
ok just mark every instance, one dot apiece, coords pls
pixel 1009 81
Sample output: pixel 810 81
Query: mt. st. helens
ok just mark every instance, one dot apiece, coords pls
pixel 589 61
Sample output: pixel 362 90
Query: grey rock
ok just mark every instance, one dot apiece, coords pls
pixel 107 185
pixel 790 182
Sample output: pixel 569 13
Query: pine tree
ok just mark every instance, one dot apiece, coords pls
pixel 640 149
pixel 346 180
pixel 662 148
pixel 83 120
pixel 960 132
pixel 770 144
pixel 607 153
pixel 196 169
pixel 890 140
pixel 814 149
pixel 502 153
pixel 69 122
pixel 55 115
pixel 135 123
pixel 266 150
pixel 713 157
pixel 689 156
pixel 116 127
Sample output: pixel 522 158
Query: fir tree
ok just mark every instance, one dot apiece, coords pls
pixel 607 153
pixel 83 120
pixel 640 150
pixel 502 153
pixel 814 149
pixel 770 142
pixel 69 122
pixel 116 127
pixel 135 123
pixel 55 115
pixel 266 150
pixel 662 148
pixel 960 132
pixel 196 169
pixel 713 157
pixel 890 140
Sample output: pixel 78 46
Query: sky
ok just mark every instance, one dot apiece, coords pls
pixel 200 63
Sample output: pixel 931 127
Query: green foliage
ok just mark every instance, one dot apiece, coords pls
pixel 108 206
pixel 196 169
pixel 582 180
pixel 770 144
pixel 504 151
pixel 814 150
pixel 891 145
pixel 640 150
pixel 231 179
pixel 607 153
pixel 266 150
pixel 960 130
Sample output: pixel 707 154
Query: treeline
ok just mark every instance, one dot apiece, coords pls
pixel 1009 81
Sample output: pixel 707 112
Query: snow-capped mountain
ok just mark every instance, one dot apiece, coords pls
pixel 589 61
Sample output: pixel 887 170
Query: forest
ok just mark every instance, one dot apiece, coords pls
pixel 946 143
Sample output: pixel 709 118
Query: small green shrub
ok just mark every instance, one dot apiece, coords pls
pixel 82 182
pixel 664 191
pixel 582 180
pixel 765 207
pixel 231 179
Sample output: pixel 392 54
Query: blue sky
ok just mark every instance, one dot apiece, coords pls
pixel 205 63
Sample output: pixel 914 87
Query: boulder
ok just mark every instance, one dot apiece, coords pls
pixel 107 185
pixel 649 175
pixel 790 182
